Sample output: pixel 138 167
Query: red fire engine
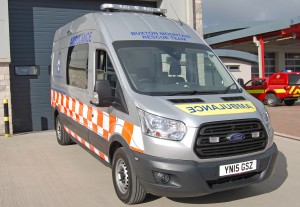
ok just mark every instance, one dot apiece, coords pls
pixel 279 87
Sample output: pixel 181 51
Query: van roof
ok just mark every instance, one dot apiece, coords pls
pixel 132 26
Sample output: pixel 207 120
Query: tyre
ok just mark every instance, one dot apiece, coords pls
pixel 61 135
pixel 272 99
pixel 126 184
pixel 289 102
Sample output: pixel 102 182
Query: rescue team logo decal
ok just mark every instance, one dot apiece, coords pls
pixel 161 36
pixel 218 108
pixel 58 63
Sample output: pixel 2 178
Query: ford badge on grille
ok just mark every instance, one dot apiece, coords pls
pixel 237 137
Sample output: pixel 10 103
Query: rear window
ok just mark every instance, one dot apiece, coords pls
pixel 294 79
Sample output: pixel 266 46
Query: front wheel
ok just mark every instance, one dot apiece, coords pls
pixel 272 99
pixel 289 102
pixel 126 185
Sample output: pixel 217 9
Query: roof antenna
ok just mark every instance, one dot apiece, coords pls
pixel 176 14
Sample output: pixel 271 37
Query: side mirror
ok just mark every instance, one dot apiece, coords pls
pixel 102 94
pixel 241 82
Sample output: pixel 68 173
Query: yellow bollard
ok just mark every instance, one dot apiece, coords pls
pixel 6 117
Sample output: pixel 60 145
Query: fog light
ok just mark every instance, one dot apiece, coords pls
pixel 162 178
pixel 214 139
pixel 255 134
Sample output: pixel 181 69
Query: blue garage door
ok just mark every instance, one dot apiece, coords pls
pixel 32 27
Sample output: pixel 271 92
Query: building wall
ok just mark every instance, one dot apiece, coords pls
pixel 188 11
pixel 278 50
pixel 245 68
pixel 4 63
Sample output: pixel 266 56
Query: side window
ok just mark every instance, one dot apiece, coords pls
pixel 77 66
pixel 250 83
pixel 259 82
pixel 105 69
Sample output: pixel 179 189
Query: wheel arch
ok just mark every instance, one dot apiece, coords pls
pixel 116 141
pixel 55 114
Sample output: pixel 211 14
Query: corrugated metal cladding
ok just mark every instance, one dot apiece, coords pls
pixel 32 27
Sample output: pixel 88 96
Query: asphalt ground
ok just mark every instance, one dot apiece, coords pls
pixel 286 120
pixel 35 171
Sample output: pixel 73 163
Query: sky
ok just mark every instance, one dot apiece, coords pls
pixel 218 12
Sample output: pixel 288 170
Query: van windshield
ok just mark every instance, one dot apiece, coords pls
pixel 173 68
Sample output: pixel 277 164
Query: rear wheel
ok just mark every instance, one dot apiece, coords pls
pixel 272 99
pixel 125 181
pixel 61 135
pixel 289 102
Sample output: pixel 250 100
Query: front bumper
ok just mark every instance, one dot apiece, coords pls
pixel 190 178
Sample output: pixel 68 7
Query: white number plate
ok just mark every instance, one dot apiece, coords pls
pixel 237 168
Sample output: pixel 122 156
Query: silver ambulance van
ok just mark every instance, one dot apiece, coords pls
pixel 147 96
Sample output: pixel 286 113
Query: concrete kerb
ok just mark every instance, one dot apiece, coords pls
pixel 287 136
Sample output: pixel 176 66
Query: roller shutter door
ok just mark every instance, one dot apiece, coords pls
pixel 32 27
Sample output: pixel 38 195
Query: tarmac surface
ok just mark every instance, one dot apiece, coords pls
pixel 35 171
pixel 286 120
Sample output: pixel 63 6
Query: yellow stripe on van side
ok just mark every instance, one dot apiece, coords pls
pixel 280 90
pixel 291 90
pixel 255 91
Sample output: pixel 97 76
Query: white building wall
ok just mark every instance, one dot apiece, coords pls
pixel 4 63
pixel 245 68
pixel 185 11
pixel 278 50
pixel 4 32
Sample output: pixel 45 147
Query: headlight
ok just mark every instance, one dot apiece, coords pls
pixel 266 119
pixel 161 127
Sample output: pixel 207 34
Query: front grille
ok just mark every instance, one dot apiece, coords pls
pixel 204 149
pixel 232 181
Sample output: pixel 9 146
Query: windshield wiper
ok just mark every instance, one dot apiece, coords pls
pixel 227 89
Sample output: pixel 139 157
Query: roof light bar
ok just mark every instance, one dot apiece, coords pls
pixel 128 8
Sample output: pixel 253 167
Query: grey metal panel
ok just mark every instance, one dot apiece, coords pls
pixel 32 27
pixel 237 54
pixel 252 31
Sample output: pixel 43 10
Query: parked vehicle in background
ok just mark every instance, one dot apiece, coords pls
pixel 279 87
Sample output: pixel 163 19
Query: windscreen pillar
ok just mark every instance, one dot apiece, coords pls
pixel 261 55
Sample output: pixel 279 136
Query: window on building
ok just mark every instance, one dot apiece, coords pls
pixel 292 61
pixel 77 66
pixel 269 65
pixel 105 69
pixel 233 68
